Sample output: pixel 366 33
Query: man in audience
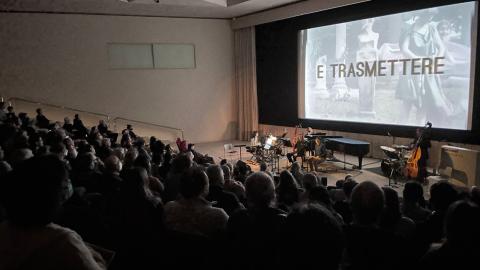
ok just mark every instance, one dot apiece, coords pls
pixel 80 129
pixel 129 131
pixel 42 121
pixel 217 195
pixel 369 247
pixel 343 206
pixel 442 195
pixel 462 245
pixel 413 201
pixel 313 239
pixel 232 185
pixel 255 232
pixel 180 164
pixel 29 239
pixel 110 181
pixel 192 213
pixel 3 113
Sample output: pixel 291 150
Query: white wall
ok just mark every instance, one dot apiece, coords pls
pixel 62 59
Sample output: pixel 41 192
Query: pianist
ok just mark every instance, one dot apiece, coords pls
pixel 319 155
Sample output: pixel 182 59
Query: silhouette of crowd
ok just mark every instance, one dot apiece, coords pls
pixel 73 198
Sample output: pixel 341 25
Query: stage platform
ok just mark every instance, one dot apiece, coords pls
pixel 334 171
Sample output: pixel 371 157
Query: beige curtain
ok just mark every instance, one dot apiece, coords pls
pixel 246 82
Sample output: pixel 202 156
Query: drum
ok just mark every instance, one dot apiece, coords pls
pixel 390 152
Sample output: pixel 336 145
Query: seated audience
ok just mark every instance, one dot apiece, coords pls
pixel 217 194
pixel 110 182
pixel 154 183
pixel 413 201
pixel 369 247
pixel 313 239
pixel 320 195
pixel 192 213
pixel 392 219
pixel 138 222
pixel 129 131
pixel 310 181
pixel 41 120
pixel 287 191
pixel 29 239
pixel 231 185
pixel 442 195
pixel 256 232
pixel 180 164
pixel 462 244
pixel 343 207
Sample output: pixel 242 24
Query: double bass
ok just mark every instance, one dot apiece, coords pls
pixel 411 168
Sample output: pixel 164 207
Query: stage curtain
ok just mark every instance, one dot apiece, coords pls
pixel 246 82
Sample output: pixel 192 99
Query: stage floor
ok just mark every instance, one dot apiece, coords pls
pixel 370 171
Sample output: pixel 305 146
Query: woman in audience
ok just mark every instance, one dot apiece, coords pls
pixel 297 173
pixel 192 213
pixel 413 201
pixel 310 181
pixel 287 191
pixel 255 232
pixel 29 239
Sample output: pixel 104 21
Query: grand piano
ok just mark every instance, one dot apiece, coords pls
pixel 349 146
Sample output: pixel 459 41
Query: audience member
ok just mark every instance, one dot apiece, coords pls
pixel 392 219
pixel 192 213
pixel 461 247
pixel 42 121
pixel 255 232
pixel 310 233
pixel 413 201
pixel 369 247
pixel 217 194
pixel 287 191
pixel 29 239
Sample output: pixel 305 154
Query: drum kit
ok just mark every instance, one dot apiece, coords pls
pixel 269 149
pixel 393 166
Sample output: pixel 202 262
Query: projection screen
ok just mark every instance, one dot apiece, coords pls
pixel 400 69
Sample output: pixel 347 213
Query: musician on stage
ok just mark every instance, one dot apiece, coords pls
pixel 424 145
pixel 298 150
pixel 319 155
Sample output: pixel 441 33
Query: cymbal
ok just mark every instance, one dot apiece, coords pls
pixel 399 146
pixel 388 149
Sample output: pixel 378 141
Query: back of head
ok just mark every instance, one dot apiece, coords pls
pixel 442 194
pixel 348 187
pixel 263 166
pixel 194 183
pixel 462 225
pixel 227 173
pixel 144 162
pixel 412 192
pixel 260 190
pixel 310 181
pixel 314 227
pixel 181 163
pixel 135 184
pixel 215 175
pixel 113 164
pixel 35 191
pixel 320 194
pixel 391 213
pixel 367 202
